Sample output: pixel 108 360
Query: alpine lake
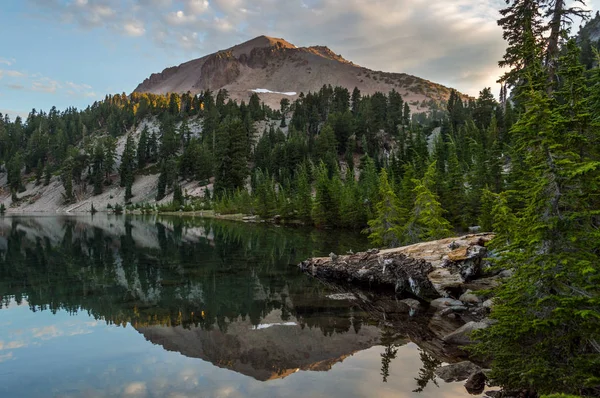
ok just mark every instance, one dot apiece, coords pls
pixel 156 306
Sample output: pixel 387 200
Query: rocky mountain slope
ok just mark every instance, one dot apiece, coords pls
pixel 277 69
pixel 591 30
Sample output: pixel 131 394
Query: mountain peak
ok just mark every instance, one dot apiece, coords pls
pixel 260 42
pixel 275 68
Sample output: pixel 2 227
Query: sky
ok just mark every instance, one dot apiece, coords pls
pixel 73 52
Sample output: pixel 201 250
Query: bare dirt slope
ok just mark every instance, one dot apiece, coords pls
pixel 276 65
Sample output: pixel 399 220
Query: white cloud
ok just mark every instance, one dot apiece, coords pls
pixel 38 82
pixel 47 332
pixel 11 345
pixel 75 86
pixel 154 3
pixel 11 73
pixel 179 18
pixel 79 90
pixel 197 6
pixel 99 12
pixel 6 357
pixel 14 86
pixel 135 388
pixel 134 28
pixel 7 61
pixel 223 25
pixel 46 85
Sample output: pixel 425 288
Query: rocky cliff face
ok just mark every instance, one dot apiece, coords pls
pixel 281 67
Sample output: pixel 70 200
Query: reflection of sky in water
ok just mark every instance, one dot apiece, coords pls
pixel 62 355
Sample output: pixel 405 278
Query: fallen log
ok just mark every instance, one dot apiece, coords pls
pixel 426 270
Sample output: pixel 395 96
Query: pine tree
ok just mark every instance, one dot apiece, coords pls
pixel 178 199
pixel 326 204
pixel 283 124
pixel 128 166
pixel 169 144
pixel 185 133
pixel 13 172
pixel 152 149
pixel 406 115
pixel 266 197
pixel 254 108
pixel 522 23
pixel 39 171
pixel 67 179
pixel 47 174
pixel 486 219
pixel 174 104
pixel 406 196
pixel 559 12
pixel 453 198
pixel 351 214
pixel 127 162
pixel 426 220
pixel 98 168
pixel 369 184
pixel 110 155
pixel 548 312
pixel 343 128
pixel 356 97
pixel 304 202
pixel 285 203
pixel 232 155
pixel 128 189
pixel 326 148
pixel 385 229
pixel 504 221
pixel 485 108
pixel 142 149
pixel 162 182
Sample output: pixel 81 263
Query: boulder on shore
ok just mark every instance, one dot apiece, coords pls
pixel 475 384
pixel 462 335
pixel 457 371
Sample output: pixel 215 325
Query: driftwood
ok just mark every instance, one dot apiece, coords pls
pixel 426 270
pixel 394 271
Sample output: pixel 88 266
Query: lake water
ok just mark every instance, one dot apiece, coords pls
pixel 109 306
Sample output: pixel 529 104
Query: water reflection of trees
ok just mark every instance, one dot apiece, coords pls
pixel 201 272
pixel 388 340
pixel 184 272
pixel 427 370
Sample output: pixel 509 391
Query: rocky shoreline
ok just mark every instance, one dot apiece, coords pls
pixel 450 280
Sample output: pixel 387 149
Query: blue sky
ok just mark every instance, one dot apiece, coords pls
pixel 49 62
pixel 73 52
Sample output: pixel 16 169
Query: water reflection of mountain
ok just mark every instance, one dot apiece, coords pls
pixel 217 291
pixel 273 349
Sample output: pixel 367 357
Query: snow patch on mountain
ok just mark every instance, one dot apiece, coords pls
pixel 265 91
